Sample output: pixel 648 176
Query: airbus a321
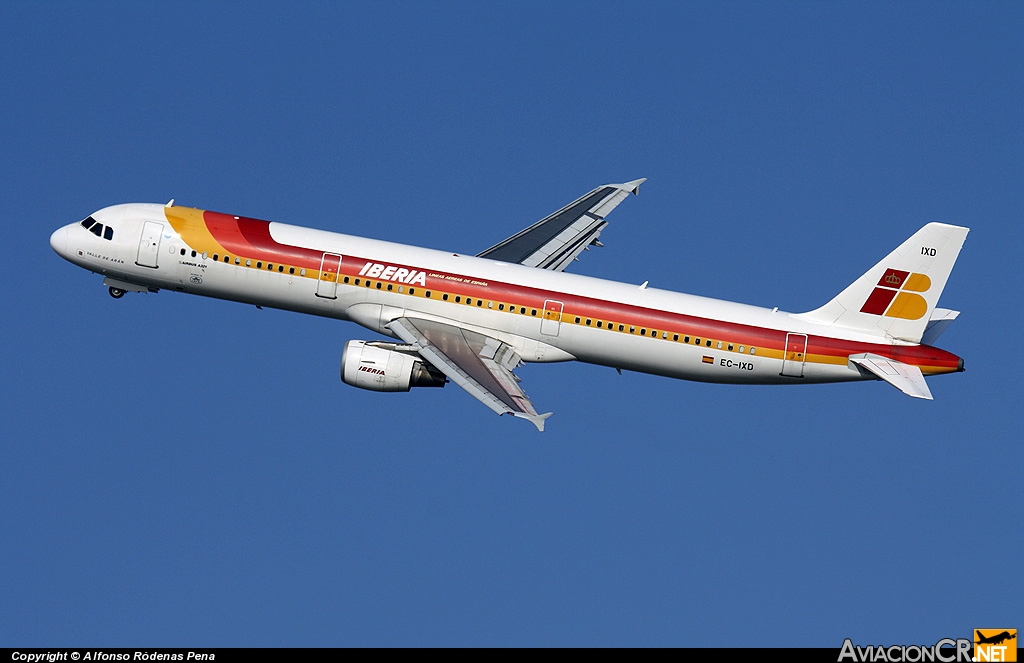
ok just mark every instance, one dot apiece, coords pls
pixel 472 320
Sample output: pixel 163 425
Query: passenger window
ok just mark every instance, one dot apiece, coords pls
pixel 227 258
pixel 753 351
pixel 458 300
pixel 270 266
pixel 193 254
pixel 427 294
pixel 205 255
pixel 108 233
pixel 445 296
pixel 621 327
pixel 259 263
pixel 391 287
pixel 490 304
pixel 588 322
pixel 741 348
pixel 533 312
pixel 643 332
pixel 379 285
pixel 675 337
pixel 280 268
pixel 412 291
pixel 632 330
pixel 708 342
pixel 302 272
pixel 696 341
pixel 357 281
pixel 730 347
pixel 469 301
pixel 522 309
pixel 598 323
pixel 248 263
pixel 719 345
pixel 216 257
pixel 479 302
pixel 686 339
pixel 238 261
pixel 183 252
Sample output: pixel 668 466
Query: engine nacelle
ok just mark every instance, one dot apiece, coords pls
pixel 386 367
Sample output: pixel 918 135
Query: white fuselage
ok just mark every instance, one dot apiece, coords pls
pixel 544 315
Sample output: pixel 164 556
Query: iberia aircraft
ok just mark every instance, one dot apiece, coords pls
pixel 471 320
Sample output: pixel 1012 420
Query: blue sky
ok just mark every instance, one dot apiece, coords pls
pixel 182 471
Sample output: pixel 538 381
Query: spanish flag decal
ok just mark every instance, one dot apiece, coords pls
pixel 707 360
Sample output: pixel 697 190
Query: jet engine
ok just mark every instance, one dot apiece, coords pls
pixel 386 367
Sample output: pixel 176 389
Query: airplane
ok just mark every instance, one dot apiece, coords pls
pixel 472 320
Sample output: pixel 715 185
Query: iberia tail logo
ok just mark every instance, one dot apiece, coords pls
pixel 896 296
pixel 995 644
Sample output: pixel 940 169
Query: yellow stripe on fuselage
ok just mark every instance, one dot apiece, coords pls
pixel 190 224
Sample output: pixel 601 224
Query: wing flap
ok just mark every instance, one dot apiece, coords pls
pixel 480 364
pixel 556 240
pixel 904 377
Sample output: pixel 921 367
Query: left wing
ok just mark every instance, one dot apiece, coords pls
pixel 555 241
pixel 479 364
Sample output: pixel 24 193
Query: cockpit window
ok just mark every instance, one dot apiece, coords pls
pixel 97 229
pixel 108 233
pixel 88 222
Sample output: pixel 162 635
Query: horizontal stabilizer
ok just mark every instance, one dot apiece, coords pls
pixel 941 318
pixel 904 377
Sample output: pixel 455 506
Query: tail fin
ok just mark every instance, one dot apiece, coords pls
pixel 896 297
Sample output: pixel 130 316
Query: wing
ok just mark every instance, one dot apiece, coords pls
pixel 904 377
pixel 479 364
pixel 555 241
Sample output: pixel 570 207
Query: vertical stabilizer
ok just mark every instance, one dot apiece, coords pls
pixel 896 297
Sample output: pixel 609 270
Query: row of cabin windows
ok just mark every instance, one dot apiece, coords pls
pixel 480 302
pixel 248 262
pixel 469 301
pixel 98 229
pixel 533 312
pixel 653 333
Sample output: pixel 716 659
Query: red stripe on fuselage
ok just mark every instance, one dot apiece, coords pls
pixel 251 237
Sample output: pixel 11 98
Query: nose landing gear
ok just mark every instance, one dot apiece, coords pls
pixel 116 293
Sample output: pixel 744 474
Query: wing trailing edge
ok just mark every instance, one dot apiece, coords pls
pixel 480 364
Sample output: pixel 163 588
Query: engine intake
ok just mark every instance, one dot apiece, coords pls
pixel 381 366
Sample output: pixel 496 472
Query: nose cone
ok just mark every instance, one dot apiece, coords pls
pixel 59 241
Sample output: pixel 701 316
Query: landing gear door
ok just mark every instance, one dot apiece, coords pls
pixel 149 244
pixel 552 317
pixel 327 286
pixel 796 352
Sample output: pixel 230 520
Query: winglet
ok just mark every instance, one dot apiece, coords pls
pixel 633 187
pixel 535 419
